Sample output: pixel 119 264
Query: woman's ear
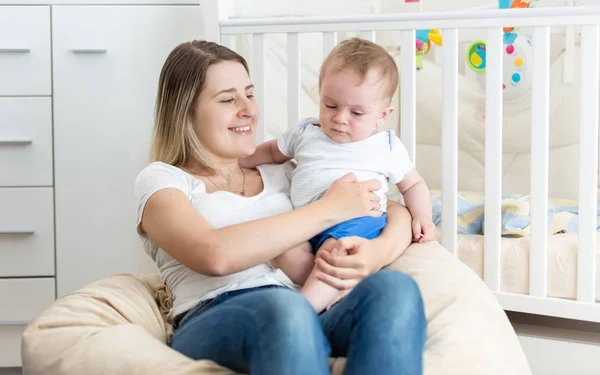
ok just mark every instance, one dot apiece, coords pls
pixel 385 113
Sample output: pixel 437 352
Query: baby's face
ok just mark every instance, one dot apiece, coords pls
pixel 350 111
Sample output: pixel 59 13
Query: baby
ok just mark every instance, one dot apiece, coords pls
pixel 356 85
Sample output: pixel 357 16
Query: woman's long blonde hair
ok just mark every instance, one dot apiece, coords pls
pixel 180 83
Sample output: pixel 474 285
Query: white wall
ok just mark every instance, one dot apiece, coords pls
pixel 434 5
pixel 336 7
pixel 286 8
pixel 248 8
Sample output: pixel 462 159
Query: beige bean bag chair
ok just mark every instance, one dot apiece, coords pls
pixel 115 326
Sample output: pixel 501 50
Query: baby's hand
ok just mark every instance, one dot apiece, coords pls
pixel 423 229
pixel 247 162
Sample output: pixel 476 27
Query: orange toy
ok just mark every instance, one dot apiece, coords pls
pixel 517 4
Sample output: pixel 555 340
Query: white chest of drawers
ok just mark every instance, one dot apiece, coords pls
pixel 27 261
pixel 77 91
pixel 25 51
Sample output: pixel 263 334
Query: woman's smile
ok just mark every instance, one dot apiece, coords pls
pixel 242 130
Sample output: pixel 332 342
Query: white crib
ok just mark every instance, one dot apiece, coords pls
pixel 219 27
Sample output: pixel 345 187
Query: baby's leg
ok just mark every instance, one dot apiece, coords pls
pixel 318 293
pixel 296 262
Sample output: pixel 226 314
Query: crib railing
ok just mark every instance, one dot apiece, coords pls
pixel 220 28
pixel 539 159
pixel 588 163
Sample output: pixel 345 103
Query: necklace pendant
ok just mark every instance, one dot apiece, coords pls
pixel 243 193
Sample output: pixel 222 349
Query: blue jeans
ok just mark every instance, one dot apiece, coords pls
pixel 380 327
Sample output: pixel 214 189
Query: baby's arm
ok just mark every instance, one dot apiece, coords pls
pixel 418 201
pixel 266 153
pixel 296 263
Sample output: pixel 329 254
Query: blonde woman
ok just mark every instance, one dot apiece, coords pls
pixel 213 227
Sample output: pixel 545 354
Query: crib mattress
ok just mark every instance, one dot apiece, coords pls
pixel 562 263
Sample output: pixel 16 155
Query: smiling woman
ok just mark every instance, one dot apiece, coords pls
pixel 173 111
pixel 228 96
pixel 225 114
pixel 214 229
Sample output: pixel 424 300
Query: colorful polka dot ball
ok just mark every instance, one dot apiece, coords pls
pixel 517 65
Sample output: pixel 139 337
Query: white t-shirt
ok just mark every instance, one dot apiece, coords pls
pixel 321 161
pixel 220 209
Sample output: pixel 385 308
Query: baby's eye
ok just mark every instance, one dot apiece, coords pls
pixel 357 113
pixel 330 106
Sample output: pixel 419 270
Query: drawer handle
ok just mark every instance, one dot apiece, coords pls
pixel 15 141
pixel 89 50
pixel 15 49
pixel 14 322
pixel 17 231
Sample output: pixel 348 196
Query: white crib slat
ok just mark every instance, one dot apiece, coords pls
pixel 493 158
pixel 258 78
pixel 539 161
pixel 368 35
pixel 229 41
pixel 588 167
pixel 329 41
pixel 293 83
pixel 449 139
pixel 408 102
pixel 569 59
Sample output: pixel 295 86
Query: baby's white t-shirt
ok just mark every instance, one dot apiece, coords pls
pixel 321 161
pixel 220 209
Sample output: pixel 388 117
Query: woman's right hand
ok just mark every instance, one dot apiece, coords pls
pixel 351 198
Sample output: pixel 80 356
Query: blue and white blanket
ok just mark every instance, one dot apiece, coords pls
pixel 516 214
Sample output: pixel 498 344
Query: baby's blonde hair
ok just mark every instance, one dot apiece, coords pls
pixel 362 56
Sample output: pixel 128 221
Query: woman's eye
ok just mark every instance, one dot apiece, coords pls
pixel 227 101
pixel 250 96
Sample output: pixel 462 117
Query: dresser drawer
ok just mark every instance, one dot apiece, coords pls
pixel 26 232
pixel 25 50
pixel 23 299
pixel 25 141
pixel 10 342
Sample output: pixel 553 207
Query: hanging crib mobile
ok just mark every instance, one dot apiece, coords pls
pixel 517 55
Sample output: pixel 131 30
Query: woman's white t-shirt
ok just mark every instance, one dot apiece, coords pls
pixel 220 209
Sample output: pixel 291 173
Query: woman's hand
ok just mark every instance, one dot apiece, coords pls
pixel 366 257
pixel 352 199
pixel 346 271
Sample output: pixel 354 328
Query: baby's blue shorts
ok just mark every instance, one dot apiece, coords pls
pixel 366 227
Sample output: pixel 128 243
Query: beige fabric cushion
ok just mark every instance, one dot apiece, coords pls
pixel 115 326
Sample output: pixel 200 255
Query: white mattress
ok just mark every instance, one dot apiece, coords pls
pixel 562 263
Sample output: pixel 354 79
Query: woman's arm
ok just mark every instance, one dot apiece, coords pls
pixel 170 220
pixel 368 256
pixel 397 234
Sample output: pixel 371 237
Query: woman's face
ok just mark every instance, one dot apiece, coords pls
pixel 226 113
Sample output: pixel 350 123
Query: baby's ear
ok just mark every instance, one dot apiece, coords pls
pixel 385 113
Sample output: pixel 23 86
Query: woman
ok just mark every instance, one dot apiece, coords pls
pixel 212 228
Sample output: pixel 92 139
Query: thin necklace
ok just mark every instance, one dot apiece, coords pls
pixel 243 192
